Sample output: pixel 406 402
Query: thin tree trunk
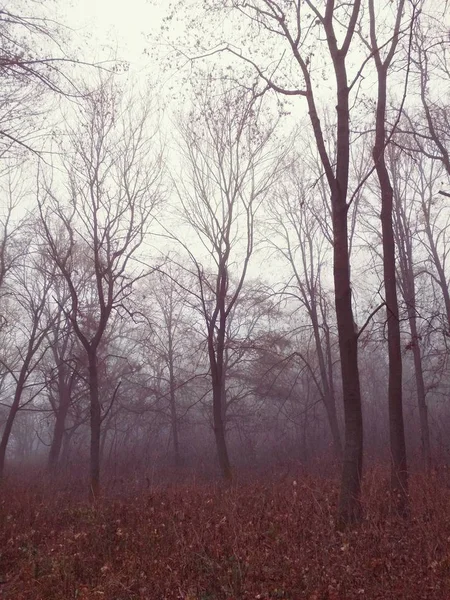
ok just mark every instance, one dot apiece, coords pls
pixel 328 397
pixel 399 473
pixel 420 389
pixel 408 287
pixel 173 405
pixel 14 409
pixel 442 279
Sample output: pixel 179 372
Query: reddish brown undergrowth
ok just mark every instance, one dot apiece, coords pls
pixel 265 540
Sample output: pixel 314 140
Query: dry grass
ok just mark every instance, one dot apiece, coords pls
pixel 257 540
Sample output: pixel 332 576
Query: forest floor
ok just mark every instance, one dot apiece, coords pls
pixel 253 540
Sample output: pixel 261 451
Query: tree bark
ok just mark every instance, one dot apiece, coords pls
pixel 216 350
pixel 399 473
pixel 95 414
pixel 349 510
pixel 349 501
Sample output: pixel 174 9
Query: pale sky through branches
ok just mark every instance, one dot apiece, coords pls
pixel 115 26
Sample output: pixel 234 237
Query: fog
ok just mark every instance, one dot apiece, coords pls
pixel 224 253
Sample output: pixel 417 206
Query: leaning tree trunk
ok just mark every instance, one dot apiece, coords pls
pixel 14 409
pixel 95 414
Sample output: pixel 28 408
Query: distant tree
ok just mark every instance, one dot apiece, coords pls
pixel 296 234
pixel 63 372
pixel 13 193
pixel 229 166
pixel 430 130
pixel 95 226
pixel 29 286
pixel 405 222
pixel 174 341
pixel 435 229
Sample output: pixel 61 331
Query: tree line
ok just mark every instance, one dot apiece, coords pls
pixel 256 275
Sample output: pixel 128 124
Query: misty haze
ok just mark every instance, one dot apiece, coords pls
pixel 225 300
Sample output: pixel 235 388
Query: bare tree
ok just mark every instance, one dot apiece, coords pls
pixel 297 26
pixel 13 194
pixel 94 228
pixel 30 285
pixel 36 63
pixel 430 133
pixel 383 56
pixel 435 228
pixel 172 337
pixel 405 230
pixel 63 376
pixel 297 235
pixel 230 167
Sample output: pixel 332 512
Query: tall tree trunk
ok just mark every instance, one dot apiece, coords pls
pixel 95 413
pixel 217 328
pixel 349 510
pixel 65 450
pixel 103 438
pixel 349 501
pixel 399 473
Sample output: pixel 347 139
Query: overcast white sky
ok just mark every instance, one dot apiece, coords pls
pixel 112 24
